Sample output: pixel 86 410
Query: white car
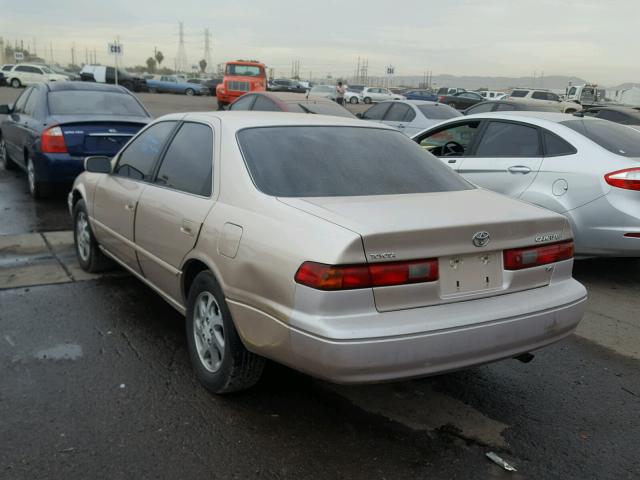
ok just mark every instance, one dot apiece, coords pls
pixel 379 94
pixel 546 97
pixel 492 94
pixel 410 116
pixel 351 97
pixel 28 74
pixel 584 168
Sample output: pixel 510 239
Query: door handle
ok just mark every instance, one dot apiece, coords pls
pixel 129 206
pixel 451 161
pixel 519 169
pixel 400 126
pixel 187 228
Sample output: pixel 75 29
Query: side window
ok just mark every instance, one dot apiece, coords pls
pixel 243 103
pixel 572 91
pixel 613 116
pixel 18 107
pixel 553 97
pixel 519 93
pixel 539 95
pixel 263 104
pixel 139 158
pixel 397 113
pixel 458 137
pixel 502 139
pixel 21 69
pixel 188 164
pixel 376 112
pixel 36 70
pixel 480 108
pixel 32 103
pixel 556 146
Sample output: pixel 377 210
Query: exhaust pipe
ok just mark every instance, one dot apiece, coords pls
pixel 525 357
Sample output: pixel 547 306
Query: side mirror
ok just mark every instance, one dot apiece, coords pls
pixel 97 164
pixel 5 109
pixel 359 115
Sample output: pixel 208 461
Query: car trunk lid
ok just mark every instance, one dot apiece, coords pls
pixel 442 226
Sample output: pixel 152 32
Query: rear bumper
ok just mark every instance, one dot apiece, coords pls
pixel 58 168
pixel 536 318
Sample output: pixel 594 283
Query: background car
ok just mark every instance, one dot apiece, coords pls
pixel 379 94
pixel 584 168
pixel 289 102
pixel 490 94
pixel 106 74
pixel 209 83
pixel 351 96
pixel 409 116
pixel 330 236
pixel 286 85
pixel 174 84
pixel 25 74
pixel 544 96
pixel 52 127
pixel 624 115
pixel 326 91
pixel 426 95
pixel 461 100
pixel 449 90
pixel 506 105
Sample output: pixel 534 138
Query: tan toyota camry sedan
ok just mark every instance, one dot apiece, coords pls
pixel 336 247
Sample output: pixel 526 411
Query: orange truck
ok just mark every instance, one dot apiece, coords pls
pixel 240 77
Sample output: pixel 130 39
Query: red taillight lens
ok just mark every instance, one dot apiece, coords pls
pixel 519 258
pixel 441 98
pixel 52 141
pixel 628 179
pixel 345 277
pixel 632 235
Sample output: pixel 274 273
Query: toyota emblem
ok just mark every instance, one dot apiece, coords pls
pixel 481 239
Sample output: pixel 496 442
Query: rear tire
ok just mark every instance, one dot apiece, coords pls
pixel 367 100
pixel 353 100
pixel 88 253
pixel 5 161
pixel 15 83
pixel 190 92
pixel 220 105
pixel 37 188
pixel 220 360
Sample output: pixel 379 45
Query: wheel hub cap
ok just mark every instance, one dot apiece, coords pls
pixel 208 332
pixel 83 239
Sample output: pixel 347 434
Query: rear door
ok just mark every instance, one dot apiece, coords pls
pixel 377 112
pixel 399 116
pixel 172 209
pixel 117 194
pixel 506 157
pixel 12 129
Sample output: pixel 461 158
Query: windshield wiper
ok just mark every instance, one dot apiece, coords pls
pixel 306 110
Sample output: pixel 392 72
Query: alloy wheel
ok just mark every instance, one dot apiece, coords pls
pixel 3 153
pixel 31 176
pixel 208 331
pixel 83 237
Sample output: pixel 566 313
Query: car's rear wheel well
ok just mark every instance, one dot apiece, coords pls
pixel 189 273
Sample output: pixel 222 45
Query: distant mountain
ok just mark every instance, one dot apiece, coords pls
pixel 554 82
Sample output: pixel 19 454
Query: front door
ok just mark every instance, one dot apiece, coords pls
pixel 173 208
pixel 450 143
pixel 12 127
pixel 506 158
pixel 117 194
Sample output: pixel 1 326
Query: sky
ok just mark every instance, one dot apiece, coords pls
pixel 592 39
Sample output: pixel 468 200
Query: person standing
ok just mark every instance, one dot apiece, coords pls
pixel 340 91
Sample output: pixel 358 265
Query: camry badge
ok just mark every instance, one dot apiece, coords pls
pixel 480 239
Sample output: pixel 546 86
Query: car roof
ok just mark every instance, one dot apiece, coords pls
pixel 555 117
pixel 414 102
pixel 238 120
pixel 84 86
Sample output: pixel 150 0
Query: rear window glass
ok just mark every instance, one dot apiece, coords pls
pixel 616 138
pixel 75 102
pixel 519 93
pixel 439 112
pixel 341 161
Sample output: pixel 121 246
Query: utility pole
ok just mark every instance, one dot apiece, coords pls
pixel 181 58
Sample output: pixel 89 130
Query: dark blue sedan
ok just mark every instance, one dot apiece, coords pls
pixel 52 127
pixel 426 95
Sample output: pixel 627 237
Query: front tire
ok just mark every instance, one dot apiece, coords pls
pixel 353 100
pixel 15 83
pixel 190 92
pixel 367 100
pixel 220 360
pixel 88 253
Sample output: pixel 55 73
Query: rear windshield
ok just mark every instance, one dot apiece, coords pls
pixel 439 112
pixel 320 109
pixel 92 102
pixel 616 138
pixel 324 161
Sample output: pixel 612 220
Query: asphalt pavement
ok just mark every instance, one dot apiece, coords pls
pixel 96 384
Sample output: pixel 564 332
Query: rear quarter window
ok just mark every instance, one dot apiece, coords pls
pixel 324 161
pixel 612 136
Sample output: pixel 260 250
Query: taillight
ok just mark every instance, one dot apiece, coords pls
pixel 441 98
pixel 632 235
pixel 52 141
pixel 344 277
pixel 628 179
pixel 519 258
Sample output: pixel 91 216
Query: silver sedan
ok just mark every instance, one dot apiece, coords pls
pixel 410 116
pixel 585 168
